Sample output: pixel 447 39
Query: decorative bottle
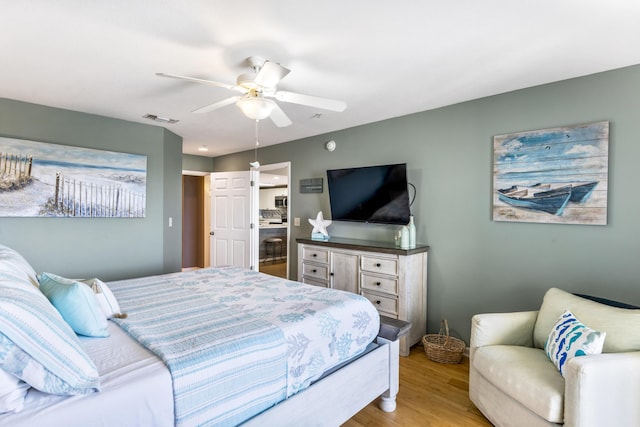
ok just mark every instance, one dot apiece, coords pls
pixel 412 232
pixel 404 237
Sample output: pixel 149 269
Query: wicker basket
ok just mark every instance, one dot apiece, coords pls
pixel 443 348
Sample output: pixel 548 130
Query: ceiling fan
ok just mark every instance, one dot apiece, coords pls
pixel 257 88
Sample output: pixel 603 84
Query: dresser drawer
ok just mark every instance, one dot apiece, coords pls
pixel 379 265
pixel 315 254
pixel 387 285
pixel 315 271
pixel 386 305
pixel 315 282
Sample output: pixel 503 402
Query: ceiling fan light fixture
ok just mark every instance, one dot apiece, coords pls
pixel 256 108
pixel 247 81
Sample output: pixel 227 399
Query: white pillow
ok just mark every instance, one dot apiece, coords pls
pixel 38 346
pixel 570 338
pixel 14 264
pixel 106 300
pixel 12 392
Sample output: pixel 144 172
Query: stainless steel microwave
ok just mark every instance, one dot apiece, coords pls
pixel 281 201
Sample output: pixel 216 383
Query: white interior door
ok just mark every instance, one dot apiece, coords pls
pixel 232 219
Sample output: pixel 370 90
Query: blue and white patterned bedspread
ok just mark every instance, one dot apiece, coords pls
pixel 237 341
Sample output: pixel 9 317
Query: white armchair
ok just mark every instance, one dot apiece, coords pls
pixel 513 383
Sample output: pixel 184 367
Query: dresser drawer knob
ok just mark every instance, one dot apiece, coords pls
pixel 378 283
pixel 314 271
pixel 314 255
pixel 378 302
pixel 378 265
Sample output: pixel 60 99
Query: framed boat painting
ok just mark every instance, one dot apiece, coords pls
pixel 557 175
pixel 39 179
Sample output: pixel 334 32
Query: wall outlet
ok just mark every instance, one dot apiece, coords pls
pixel 296 222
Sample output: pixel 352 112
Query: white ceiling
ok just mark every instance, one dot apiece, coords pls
pixel 385 59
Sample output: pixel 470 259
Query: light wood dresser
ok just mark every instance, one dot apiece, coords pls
pixel 393 279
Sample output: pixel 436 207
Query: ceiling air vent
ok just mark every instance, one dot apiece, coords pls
pixel 160 119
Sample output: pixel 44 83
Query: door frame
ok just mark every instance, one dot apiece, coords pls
pixel 207 208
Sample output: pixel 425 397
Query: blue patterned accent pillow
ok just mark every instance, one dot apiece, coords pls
pixel 570 338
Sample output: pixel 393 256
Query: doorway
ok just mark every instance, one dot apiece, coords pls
pixel 191 243
pixel 274 213
pixel 192 221
pixel 195 219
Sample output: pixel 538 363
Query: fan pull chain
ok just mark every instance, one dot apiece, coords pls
pixel 257 142
pixel 256 164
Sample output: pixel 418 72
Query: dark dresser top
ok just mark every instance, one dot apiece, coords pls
pixel 364 245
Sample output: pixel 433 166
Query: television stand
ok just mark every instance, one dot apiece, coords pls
pixel 393 279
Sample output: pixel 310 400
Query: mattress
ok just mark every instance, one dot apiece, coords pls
pixel 135 390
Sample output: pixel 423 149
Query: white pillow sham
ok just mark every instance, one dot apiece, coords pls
pixel 106 300
pixel 38 346
pixel 14 264
pixel 12 392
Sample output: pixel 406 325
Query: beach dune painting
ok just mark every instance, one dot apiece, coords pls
pixel 557 175
pixel 39 179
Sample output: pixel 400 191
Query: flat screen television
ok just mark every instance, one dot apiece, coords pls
pixel 373 194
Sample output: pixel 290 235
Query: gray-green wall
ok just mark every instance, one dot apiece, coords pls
pixel 197 163
pixel 108 248
pixel 477 265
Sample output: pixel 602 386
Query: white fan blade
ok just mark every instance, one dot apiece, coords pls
pixel 217 105
pixel 270 74
pixel 311 101
pixel 207 82
pixel 278 116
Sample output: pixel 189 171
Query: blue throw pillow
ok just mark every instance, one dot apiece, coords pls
pixel 76 303
pixel 570 338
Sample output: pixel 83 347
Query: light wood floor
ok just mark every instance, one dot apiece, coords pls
pixel 278 269
pixel 431 394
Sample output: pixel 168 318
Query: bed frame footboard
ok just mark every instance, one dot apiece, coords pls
pixel 334 399
pixel 388 398
pixel 391 330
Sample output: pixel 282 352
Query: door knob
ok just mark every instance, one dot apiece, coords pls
pixel 211 233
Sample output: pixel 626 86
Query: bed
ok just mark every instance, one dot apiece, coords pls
pixel 218 346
